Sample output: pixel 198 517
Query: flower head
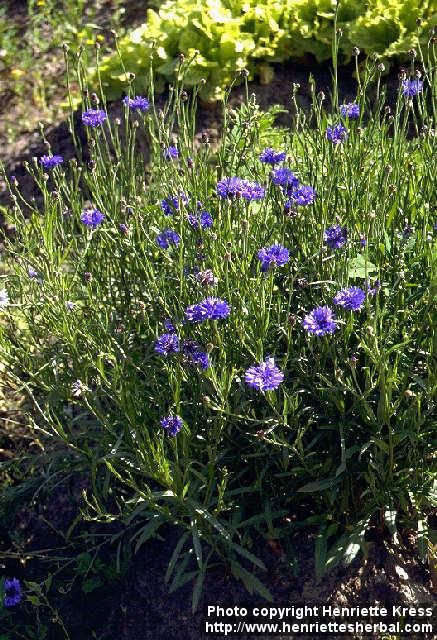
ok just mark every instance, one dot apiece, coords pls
pixel 351 298
pixel 229 187
pixel 169 326
pixel 206 277
pixel 276 255
pixel 49 162
pixel 234 186
pixel 171 153
pixel 350 110
pixel 171 204
pixel 335 236
pixel 167 237
pixel 336 134
pixel 70 305
pixel 208 309
pixel 92 217
pixel 167 344
pixel 137 103
pixel 78 388
pixel 270 156
pixel 265 376
pixel 252 191
pixel 93 117
pixel 13 593
pixel 284 177
pixel 4 299
pixel 195 355
pixel 302 196
pixel 172 424
pixel 320 321
pixel 412 87
pixel 204 220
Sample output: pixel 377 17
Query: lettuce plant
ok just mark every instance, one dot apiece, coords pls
pixel 221 37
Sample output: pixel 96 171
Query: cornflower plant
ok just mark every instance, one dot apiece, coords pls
pixel 246 332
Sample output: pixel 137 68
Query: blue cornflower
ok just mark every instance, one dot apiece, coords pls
pixel 167 343
pixel 167 237
pixel 49 162
pixel 276 255
pixel 171 153
pixel 265 376
pixel 169 326
pixel 195 355
pixel 303 196
pixel 92 217
pixel 170 204
pixel 335 236
pixel 284 177
pixel 350 110
pixel 208 309
pixel 270 156
pixel 234 186
pixel 204 220
pixel 336 134
pixel 93 117
pixel 230 187
pixel 172 424
pixel 320 321
pixel 412 87
pixel 137 103
pixel 252 191
pixel 351 298
pixel 13 593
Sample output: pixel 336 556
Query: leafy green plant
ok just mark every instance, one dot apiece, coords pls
pixel 223 37
pixel 346 439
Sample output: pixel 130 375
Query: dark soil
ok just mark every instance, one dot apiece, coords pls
pixel 137 605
